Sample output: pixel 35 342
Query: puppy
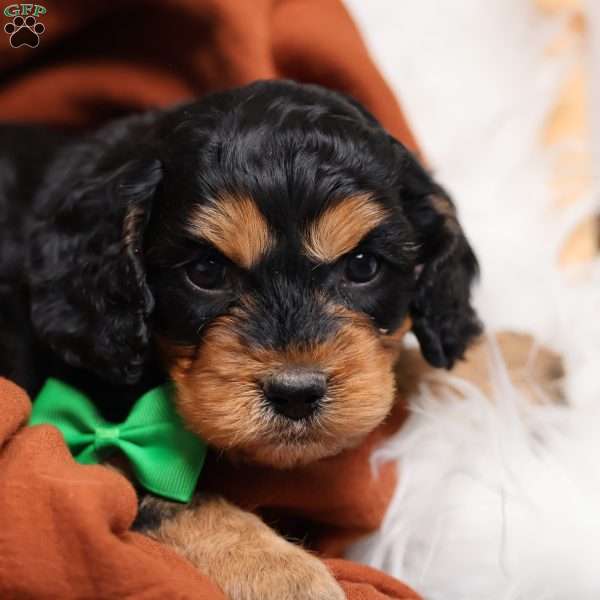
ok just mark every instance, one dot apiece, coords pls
pixel 265 248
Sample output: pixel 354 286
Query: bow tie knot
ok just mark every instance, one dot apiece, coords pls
pixel 165 458
pixel 104 434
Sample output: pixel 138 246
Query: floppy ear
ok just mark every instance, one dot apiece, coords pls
pixel 89 298
pixel 443 318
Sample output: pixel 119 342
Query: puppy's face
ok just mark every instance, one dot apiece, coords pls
pixel 280 333
pixel 275 245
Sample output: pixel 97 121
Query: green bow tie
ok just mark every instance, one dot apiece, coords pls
pixel 165 457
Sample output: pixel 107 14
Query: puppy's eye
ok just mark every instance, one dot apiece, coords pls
pixel 207 273
pixel 362 267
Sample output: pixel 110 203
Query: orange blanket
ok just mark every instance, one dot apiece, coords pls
pixel 64 528
pixel 99 59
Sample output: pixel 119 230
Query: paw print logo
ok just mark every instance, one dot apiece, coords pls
pixel 24 32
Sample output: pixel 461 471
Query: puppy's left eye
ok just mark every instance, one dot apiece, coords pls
pixel 206 273
pixel 362 267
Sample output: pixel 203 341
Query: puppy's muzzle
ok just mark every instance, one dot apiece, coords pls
pixel 295 392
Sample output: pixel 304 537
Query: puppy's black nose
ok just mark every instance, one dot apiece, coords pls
pixel 295 392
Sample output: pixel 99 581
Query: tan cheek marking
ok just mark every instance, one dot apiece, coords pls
pixel 388 337
pixel 340 228
pixel 235 227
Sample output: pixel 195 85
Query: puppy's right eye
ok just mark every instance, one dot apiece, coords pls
pixel 362 267
pixel 207 273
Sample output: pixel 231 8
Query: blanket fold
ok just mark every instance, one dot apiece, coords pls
pixel 98 60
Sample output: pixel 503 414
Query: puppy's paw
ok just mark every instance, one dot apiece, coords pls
pixel 245 557
pixel 278 570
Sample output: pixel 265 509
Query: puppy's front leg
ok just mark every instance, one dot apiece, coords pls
pixel 245 557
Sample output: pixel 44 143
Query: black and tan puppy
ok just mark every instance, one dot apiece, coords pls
pixel 264 248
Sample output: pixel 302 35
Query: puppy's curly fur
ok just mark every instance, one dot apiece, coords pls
pixel 264 247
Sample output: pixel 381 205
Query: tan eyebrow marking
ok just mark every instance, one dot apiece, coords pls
pixel 235 226
pixel 341 227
